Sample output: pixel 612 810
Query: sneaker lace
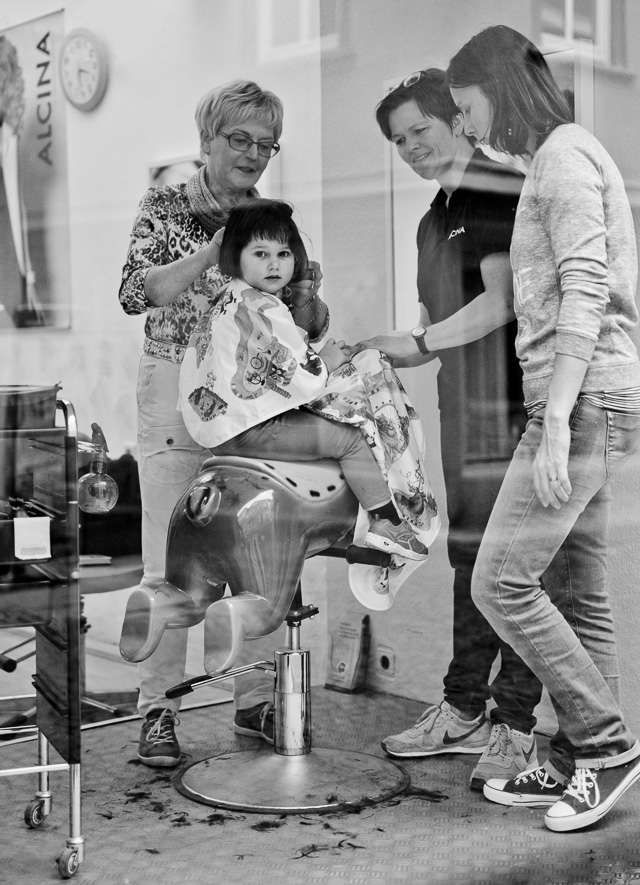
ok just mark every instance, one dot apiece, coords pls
pixel 536 774
pixel 428 717
pixel 583 787
pixel 498 740
pixel 267 711
pixel 161 731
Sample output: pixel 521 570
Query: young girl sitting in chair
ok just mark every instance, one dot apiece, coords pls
pixel 249 381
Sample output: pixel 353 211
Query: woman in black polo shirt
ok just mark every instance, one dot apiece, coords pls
pixel 465 295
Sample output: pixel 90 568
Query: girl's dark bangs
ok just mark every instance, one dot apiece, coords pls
pixel 276 230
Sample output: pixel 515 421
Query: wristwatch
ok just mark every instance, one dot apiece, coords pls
pixel 418 334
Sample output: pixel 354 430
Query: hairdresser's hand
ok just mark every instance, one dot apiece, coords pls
pixel 334 354
pixel 550 475
pixel 400 349
pixel 308 286
pixel 212 249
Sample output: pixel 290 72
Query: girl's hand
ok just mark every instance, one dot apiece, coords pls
pixel 334 354
pixel 550 476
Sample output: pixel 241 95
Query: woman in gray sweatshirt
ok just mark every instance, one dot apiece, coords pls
pixel 540 576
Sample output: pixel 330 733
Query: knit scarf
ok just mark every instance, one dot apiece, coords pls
pixel 204 205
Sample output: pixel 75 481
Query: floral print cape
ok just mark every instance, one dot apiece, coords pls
pixel 247 362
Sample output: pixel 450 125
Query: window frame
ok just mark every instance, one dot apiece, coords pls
pixel 599 49
pixel 306 44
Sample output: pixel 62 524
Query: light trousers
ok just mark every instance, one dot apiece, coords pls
pixel 168 460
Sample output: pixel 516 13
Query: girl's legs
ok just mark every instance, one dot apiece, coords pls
pixel 299 435
pixel 564 634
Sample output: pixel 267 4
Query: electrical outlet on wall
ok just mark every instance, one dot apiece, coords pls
pixel 385 661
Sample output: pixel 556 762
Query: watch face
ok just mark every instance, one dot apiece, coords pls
pixel 83 70
pixel 418 335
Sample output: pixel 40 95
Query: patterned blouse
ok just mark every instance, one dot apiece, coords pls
pixel 163 232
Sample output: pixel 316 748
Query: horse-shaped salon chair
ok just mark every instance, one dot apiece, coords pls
pixel 249 525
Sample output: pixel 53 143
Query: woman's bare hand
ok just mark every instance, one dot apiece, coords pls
pixel 212 250
pixel 308 286
pixel 400 349
pixel 550 476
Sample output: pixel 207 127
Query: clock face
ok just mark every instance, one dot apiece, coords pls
pixel 83 69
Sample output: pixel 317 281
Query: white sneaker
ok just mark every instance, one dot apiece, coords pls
pixel 440 730
pixel 508 754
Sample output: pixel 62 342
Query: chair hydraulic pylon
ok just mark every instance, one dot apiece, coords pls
pixel 291 778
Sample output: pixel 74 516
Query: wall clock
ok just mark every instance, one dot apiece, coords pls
pixel 83 69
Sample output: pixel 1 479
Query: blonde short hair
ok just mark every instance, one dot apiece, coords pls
pixel 233 104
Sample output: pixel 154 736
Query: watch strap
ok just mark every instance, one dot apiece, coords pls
pixel 422 347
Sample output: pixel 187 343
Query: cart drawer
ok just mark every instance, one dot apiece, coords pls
pixel 26 605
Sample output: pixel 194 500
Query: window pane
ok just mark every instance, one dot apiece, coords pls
pixel 285 22
pixel 584 24
pixel 329 17
pixel 552 18
pixel 618 33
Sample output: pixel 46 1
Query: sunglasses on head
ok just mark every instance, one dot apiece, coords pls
pixel 411 80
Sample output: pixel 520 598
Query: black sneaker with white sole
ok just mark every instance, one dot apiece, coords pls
pixel 534 789
pixel 590 794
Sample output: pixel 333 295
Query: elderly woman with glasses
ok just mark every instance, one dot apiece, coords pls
pixel 171 275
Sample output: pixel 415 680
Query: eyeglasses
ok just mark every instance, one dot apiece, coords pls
pixel 243 143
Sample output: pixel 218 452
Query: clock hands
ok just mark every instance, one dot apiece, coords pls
pixel 83 69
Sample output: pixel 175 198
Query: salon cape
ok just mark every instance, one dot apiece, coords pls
pixel 247 362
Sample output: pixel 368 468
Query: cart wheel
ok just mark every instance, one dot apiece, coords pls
pixel 34 814
pixel 68 863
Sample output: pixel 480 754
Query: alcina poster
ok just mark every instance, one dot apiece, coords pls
pixel 34 216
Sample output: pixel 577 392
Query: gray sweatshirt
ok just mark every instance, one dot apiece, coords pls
pixel 575 266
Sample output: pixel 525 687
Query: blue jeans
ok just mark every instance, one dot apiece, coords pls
pixel 470 498
pixel 515 690
pixel 561 624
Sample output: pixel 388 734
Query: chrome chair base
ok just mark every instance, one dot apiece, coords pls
pixel 292 778
pixel 319 782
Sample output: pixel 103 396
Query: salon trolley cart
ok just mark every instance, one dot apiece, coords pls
pixel 38 483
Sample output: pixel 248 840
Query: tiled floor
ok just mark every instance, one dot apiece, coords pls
pixel 139 829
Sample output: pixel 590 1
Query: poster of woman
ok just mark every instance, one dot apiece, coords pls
pixel 34 229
